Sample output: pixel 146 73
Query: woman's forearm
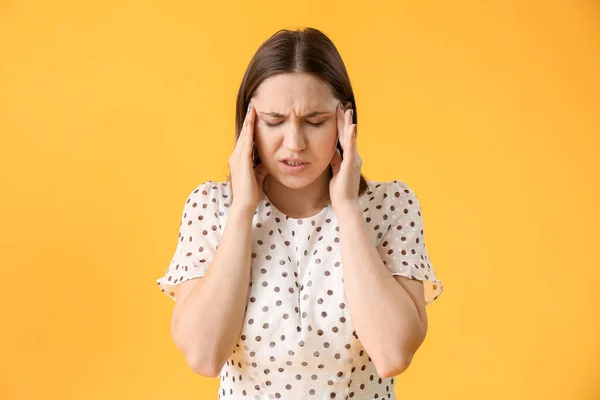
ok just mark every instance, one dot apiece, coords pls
pixel 385 317
pixel 209 323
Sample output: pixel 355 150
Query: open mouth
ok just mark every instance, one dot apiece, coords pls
pixel 293 167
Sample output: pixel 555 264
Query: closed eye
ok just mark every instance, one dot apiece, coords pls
pixel 313 124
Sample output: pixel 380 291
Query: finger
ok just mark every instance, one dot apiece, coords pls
pixel 352 139
pixel 248 131
pixel 348 131
pixel 336 162
pixel 242 135
pixel 340 124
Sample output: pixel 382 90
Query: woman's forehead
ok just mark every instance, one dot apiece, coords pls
pixel 300 91
pixel 283 106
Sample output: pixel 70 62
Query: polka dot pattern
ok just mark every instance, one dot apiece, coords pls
pixel 200 231
pixel 402 243
pixel 297 339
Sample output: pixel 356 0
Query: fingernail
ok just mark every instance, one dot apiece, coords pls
pixel 248 109
pixel 351 113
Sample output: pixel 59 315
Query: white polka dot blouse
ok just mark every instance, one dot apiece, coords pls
pixel 297 339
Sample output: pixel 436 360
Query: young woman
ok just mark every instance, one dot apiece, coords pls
pixel 297 278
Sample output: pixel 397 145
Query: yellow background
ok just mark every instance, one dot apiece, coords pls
pixel 112 111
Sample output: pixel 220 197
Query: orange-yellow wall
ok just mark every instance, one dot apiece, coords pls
pixel 112 111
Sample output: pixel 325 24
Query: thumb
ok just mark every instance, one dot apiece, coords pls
pixel 336 162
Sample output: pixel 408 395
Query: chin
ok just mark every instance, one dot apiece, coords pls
pixel 296 181
pixel 293 182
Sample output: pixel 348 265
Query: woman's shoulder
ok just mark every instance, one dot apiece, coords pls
pixel 384 189
pixel 213 185
pixel 211 191
pixel 386 197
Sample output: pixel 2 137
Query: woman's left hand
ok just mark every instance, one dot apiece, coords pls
pixel 345 181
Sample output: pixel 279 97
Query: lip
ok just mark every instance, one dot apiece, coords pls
pixel 293 169
pixel 292 160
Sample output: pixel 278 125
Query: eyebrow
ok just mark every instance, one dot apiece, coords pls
pixel 278 115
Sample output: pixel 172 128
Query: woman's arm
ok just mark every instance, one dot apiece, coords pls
pixel 389 323
pixel 207 322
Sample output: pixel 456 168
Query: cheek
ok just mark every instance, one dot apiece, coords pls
pixel 325 146
pixel 260 135
pixel 264 144
pixel 330 138
pixel 263 134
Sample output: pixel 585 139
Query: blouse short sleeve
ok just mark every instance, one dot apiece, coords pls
pixel 199 235
pixel 402 247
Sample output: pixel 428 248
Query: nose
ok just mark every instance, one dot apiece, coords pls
pixel 293 138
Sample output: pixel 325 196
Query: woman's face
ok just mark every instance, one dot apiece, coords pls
pixel 295 117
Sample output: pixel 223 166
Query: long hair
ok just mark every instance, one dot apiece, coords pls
pixel 286 51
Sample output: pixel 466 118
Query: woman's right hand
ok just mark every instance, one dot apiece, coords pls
pixel 246 181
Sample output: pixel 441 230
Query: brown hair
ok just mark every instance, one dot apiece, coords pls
pixel 286 51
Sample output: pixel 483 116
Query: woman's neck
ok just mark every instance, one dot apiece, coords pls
pixel 301 202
